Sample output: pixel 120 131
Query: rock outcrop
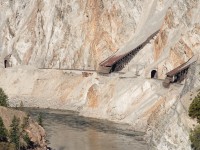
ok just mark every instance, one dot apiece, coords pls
pixel 35 132
pixel 78 34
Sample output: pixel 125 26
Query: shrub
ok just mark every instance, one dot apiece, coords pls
pixel 3 132
pixel 21 106
pixel 40 121
pixel 15 132
pixel 27 140
pixel 7 146
pixel 25 123
pixel 195 138
pixel 3 98
pixel 194 109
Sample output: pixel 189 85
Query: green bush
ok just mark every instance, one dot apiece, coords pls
pixel 27 140
pixel 195 138
pixel 15 132
pixel 40 120
pixel 3 98
pixel 194 109
pixel 3 132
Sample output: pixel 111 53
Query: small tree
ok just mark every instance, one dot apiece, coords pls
pixel 195 138
pixel 27 140
pixel 15 132
pixel 194 109
pixel 21 106
pixel 3 131
pixel 25 123
pixel 3 98
pixel 40 121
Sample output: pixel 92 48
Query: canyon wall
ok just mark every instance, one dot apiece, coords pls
pixel 77 34
pixel 66 34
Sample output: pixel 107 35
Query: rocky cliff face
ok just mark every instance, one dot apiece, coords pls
pixel 78 34
pixel 66 34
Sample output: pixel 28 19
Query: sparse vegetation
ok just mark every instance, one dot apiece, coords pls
pixel 3 98
pixel 21 106
pixel 15 132
pixel 195 138
pixel 40 121
pixel 194 109
pixel 17 138
pixel 27 141
pixel 7 146
pixel 25 122
pixel 194 112
pixel 3 132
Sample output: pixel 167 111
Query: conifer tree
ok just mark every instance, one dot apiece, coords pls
pixel 40 121
pixel 3 131
pixel 195 138
pixel 15 132
pixel 3 98
pixel 194 109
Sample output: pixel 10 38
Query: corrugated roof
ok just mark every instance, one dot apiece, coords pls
pixel 182 67
pixel 116 57
pixel 112 60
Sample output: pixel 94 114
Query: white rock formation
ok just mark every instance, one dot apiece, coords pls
pixel 76 34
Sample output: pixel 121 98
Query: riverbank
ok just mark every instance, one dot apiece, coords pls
pixel 31 135
pixel 139 102
pixel 68 131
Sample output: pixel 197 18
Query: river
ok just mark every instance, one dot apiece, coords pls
pixel 66 130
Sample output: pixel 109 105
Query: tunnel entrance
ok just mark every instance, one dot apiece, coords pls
pixel 6 63
pixel 154 74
